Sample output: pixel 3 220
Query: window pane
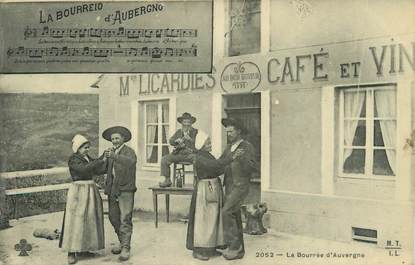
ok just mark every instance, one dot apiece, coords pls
pixel 382 161
pixel 384 133
pixel 242 101
pixel 385 103
pixel 165 112
pixel 165 150
pixel 359 136
pixel 245 27
pixel 165 133
pixel 354 161
pixel 355 104
pixel 152 134
pixel 151 112
pixel 151 155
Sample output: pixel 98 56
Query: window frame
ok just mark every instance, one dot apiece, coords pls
pixel 228 28
pixel 369 119
pixel 160 144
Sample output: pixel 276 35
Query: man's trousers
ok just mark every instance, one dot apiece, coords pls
pixel 167 160
pixel 120 213
pixel 232 219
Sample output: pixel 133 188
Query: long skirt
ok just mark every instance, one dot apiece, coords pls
pixel 83 223
pixel 205 228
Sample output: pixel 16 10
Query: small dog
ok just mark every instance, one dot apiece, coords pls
pixel 46 233
pixel 254 214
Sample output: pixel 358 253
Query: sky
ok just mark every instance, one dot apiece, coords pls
pixel 48 83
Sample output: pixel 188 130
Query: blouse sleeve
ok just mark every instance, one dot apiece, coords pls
pixel 211 166
pixel 84 171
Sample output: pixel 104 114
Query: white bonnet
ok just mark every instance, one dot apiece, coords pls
pixel 200 140
pixel 77 141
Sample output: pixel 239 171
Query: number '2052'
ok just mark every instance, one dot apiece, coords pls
pixel 264 254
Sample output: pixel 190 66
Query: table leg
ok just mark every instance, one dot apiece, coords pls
pixel 167 207
pixel 155 209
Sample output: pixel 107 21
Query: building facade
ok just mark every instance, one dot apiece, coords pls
pixel 326 89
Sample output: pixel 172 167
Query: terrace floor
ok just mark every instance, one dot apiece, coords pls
pixel 166 245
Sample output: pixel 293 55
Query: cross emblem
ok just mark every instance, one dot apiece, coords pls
pixel 23 247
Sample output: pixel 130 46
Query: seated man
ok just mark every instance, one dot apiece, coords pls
pixel 184 145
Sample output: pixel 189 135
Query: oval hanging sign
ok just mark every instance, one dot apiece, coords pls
pixel 240 77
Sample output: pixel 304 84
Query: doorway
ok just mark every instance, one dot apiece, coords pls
pixel 247 108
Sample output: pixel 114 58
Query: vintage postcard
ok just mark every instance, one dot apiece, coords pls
pixel 207 132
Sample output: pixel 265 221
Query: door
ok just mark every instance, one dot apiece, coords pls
pixel 247 108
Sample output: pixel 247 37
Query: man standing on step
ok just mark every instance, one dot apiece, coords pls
pixel 120 187
pixel 184 145
pixel 236 182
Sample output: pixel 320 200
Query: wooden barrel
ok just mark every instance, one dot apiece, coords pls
pixel 4 218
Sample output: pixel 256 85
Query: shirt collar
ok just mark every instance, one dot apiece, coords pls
pixel 119 148
pixel 236 144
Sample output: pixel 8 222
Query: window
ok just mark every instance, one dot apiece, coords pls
pixel 156 131
pixel 367 132
pixel 244 27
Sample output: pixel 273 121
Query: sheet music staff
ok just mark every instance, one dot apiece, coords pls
pixel 102 52
pixel 121 32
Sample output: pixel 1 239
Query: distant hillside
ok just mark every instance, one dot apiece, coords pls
pixel 36 129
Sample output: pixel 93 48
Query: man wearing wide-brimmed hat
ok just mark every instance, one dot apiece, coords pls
pixel 120 186
pixel 184 145
pixel 236 182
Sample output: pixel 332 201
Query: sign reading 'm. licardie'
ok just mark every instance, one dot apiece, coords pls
pixel 156 84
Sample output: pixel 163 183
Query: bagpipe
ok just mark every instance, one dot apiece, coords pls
pixel 181 143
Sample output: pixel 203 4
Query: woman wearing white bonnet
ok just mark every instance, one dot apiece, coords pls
pixel 83 221
pixel 200 140
pixel 205 227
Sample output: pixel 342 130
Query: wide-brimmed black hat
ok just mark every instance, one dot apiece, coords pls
pixel 126 134
pixel 186 116
pixel 235 123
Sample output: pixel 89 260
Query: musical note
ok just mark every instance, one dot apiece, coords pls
pixel 194 50
pixel 144 51
pixel 20 51
pixel 148 33
pixel 169 52
pixel 73 33
pixel 10 52
pixel 189 33
pixel 64 51
pixel 132 33
pixel 56 33
pixel 45 31
pixel 95 32
pixel 172 33
pixel 83 33
pixel 120 32
pixel 85 51
pixel 156 53
pixel 132 52
pixel 29 33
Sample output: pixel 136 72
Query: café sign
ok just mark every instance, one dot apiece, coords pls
pixel 241 76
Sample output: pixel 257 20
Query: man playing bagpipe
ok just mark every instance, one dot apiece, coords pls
pixel 184 145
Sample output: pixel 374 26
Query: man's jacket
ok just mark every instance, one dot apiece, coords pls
pixel 189 144
pixel 124 165
pixel 238 173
